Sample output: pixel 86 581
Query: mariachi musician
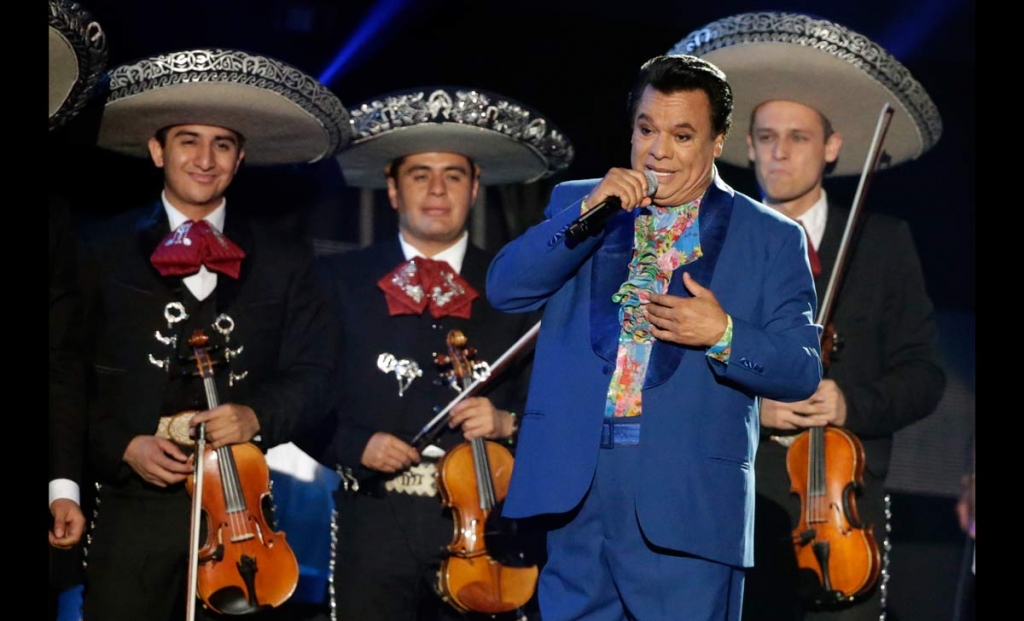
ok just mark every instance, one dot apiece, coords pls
pixel 78 58
pixel 433 150
pixel 812 91
pixel 187 261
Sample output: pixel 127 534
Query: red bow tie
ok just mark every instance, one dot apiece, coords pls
pixel 419 283
pixel 194 244
pixel 812 254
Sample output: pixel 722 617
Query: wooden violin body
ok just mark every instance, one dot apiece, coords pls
pixel 472 578
pixel 482 573
pixel 829 539
pixel 243 566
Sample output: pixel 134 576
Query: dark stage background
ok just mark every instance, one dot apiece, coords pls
pixel 574 60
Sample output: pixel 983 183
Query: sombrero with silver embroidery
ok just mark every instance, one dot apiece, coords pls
pixel 285 116
pixel 817 62
pixel 509 141
pixel 78 57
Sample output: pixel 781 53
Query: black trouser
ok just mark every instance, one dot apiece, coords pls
pixel 137 561
pixel 388 552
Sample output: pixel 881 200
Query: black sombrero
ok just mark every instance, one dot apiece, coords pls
pixel 286 116
pixel 817 62
pixel 78 57
pixel 509 141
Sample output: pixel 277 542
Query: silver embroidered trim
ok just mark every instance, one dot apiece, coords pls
pixel 465 107
pixel 236 67
pixel 830 38
pixel 886 549
pixel 405 370
pixel 332 599
pixel 443 296
pixel 440 295
pixel 166 340
pixel 225 325
pixel 89 42
pixel 402 278
pixel 174 313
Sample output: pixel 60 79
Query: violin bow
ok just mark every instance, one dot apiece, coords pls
pixel 431 427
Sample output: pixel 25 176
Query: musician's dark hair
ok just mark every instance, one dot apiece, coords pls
pixel 392 169
pixel 679 72
pixel 161 135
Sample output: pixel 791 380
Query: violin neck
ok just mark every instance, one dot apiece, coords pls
pixel 482 465
pixel 816 473
pixel 210 386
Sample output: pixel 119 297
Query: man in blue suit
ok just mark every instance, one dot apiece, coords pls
pixel 660 333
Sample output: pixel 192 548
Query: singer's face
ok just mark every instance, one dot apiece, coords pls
pixel 788 147
pixel 433 193
pixel 199 163
pixel 672 137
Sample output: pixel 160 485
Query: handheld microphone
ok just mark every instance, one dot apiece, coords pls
pixel 591 222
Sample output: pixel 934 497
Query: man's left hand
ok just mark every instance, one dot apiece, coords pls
pixel 68 523
pixel 697 321
pixel 227 424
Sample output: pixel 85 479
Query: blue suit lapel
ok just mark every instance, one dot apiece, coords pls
pixel 611 268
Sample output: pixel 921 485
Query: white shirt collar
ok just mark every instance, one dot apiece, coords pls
pixel 175 218
pixel 814 219
pixel 453 255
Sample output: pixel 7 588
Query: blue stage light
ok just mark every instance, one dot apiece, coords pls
pixel 379 16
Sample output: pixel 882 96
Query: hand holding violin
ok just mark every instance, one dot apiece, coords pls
pixel 827 406
pixel 226 424
pixel 478 418
pixel 157 460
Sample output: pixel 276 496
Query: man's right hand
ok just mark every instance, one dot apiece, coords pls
pixel 627 184
pixel 387 453
pixel 157 460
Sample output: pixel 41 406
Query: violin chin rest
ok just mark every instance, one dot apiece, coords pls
pixel 231 600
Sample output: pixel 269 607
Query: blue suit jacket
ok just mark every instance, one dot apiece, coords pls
pixel 700 416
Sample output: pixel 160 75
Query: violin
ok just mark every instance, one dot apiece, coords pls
pixel 480 574
pixel 826 464
pixel 243 566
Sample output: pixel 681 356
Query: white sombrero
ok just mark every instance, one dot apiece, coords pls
pixel 78 57
pixel 817 62
pixel 509 141
pixel 285 116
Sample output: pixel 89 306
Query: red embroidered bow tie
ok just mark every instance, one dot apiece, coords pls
pixel 194 244
pixel 419 283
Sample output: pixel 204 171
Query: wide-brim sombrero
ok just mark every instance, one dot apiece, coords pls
pixel 285 116
pixel 510 142
pixel 78 58
pixel 842 74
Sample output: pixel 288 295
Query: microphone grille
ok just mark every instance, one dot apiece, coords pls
pixel 652 182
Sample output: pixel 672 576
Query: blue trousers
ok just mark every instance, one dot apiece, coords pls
pixel 600 567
